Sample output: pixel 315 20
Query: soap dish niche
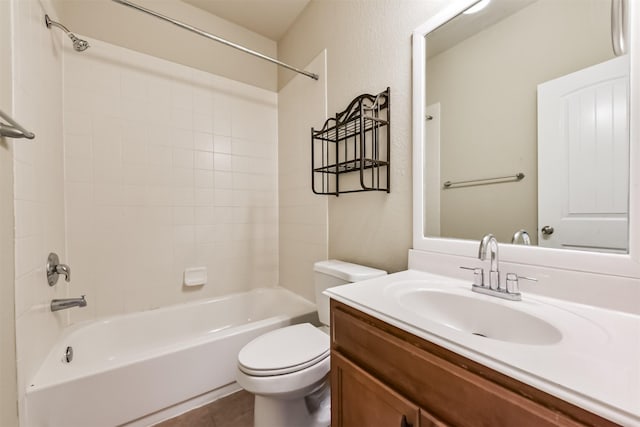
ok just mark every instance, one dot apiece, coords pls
pixel 196 276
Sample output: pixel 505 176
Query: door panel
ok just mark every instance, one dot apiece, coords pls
pixel 583 152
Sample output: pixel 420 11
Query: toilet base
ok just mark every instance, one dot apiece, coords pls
pixel 313 410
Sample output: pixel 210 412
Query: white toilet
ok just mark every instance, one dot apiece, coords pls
pixel 287 369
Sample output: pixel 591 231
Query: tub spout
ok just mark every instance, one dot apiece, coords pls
pixel 64 303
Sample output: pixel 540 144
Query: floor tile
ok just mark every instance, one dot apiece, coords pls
pixel 235 410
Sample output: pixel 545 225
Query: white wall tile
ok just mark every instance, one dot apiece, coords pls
pixel 159 189
pixel 183 158
pixel 222 179
pixel 203 102
pixel 159 156
pixel 222 144
pixel 203 141
pixel 182 137
pixel 203 178
pixel 203 122
pixel 204 196
pixel 39 182
pixel 222 114
pixel 181 95
pixel 222 162
pixel 183 215
pixel 203 160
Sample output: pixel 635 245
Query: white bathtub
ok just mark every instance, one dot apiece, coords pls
pixel 127 367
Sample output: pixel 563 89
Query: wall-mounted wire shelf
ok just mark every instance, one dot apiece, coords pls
pixel 355 140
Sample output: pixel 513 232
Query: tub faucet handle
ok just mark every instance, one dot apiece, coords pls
pixel 54 269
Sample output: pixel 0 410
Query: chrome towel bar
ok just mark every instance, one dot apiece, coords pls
pixel 13 129
pixel 517 177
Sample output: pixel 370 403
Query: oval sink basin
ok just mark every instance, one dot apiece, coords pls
pixel 475 315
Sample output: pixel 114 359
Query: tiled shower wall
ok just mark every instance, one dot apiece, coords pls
pixel 166 168
pixel 38 183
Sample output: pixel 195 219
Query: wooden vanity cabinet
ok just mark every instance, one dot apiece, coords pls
pixel 384 376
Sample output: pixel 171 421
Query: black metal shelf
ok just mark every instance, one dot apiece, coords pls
pixel 355 140
pixel 351 166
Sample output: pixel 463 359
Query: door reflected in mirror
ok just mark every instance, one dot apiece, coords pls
pixel 527 126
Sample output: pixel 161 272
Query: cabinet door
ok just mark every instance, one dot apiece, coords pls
pixel 428 420
pixel 358 399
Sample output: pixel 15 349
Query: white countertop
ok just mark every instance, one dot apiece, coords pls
pixel 596 364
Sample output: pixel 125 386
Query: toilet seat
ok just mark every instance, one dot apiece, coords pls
pixel 284 351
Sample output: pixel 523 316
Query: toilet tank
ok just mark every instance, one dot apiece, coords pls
pixel 333 272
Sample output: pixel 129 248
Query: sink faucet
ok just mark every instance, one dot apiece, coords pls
pixel 521 234
pixel 489 241
pixel 64 303
pixel 510 290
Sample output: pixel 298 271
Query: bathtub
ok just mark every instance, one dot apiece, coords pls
pixel 127 367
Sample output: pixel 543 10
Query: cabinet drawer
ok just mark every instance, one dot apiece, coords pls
pixel 441 381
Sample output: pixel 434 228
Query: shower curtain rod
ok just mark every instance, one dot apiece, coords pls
pixel 216 38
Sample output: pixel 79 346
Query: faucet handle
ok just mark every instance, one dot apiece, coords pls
pixel 478 275
pixel 64 270
pixel 54 269
pixel 513 286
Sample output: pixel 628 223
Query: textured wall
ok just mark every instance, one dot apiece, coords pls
pixel 368 47
pixel 302 215
pixel 166 168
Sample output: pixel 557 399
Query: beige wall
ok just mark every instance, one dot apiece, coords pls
pixel 489 109
pixel 8 390
pixel 303 225
pixel 130 28
pixel 38 185
pixel 368 48
pixel 166 168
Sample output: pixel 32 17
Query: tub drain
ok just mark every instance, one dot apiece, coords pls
pixel 68 354
pixel 479 334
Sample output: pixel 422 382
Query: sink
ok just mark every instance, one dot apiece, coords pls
pixel 479 316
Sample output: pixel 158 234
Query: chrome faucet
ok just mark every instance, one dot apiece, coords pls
pixel 510 289
pixel 64 303
pixel 489 241
pixel 521 235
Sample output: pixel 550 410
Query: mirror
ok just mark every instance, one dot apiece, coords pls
pixel 526 126
pixel 426 172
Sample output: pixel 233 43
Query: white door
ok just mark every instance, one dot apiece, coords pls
pixel 583 159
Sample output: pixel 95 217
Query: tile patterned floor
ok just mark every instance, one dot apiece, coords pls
pixel 235 410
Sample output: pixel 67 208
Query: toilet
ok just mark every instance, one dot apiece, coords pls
pixel 288 369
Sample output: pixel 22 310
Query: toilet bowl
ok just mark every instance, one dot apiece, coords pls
pixel 287 369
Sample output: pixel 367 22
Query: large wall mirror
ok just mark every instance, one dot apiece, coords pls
pixel 523 128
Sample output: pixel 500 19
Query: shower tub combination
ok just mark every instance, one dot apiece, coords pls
pixel 126 368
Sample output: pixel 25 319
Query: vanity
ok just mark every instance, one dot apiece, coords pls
pixel 441 387
pixel 419 347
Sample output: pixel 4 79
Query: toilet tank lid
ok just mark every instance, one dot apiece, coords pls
pixel 346 270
